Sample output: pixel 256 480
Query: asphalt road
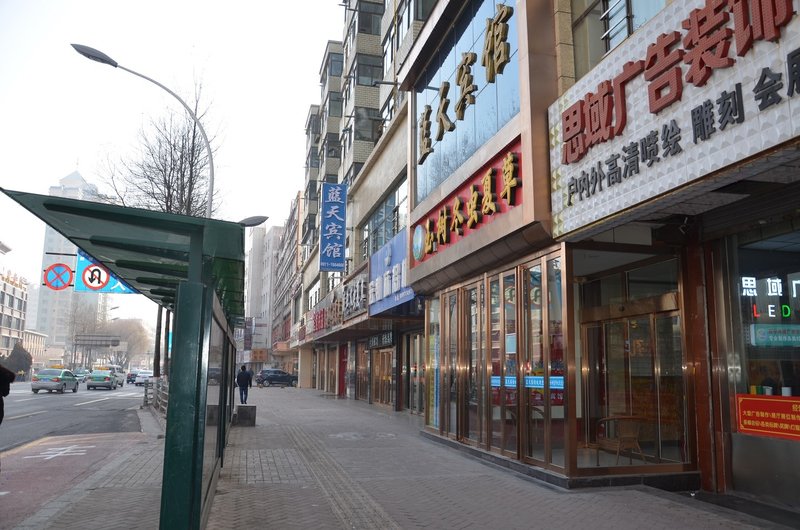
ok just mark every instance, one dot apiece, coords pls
pixel 29 416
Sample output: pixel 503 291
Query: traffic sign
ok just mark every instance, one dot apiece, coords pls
pixel 58 276
pixel 95 277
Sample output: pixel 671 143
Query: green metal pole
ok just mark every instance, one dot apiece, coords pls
pixel 183 447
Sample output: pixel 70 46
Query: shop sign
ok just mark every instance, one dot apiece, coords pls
pixel 381 340
pixel 332 227
pixel 492 191
pixel 259 355
pixel 775 335
pixel 355 296
pixel 701 86
pixel 327 314
pixel 388 270
pixel 494 58
pixel 537 381
pixel 774 416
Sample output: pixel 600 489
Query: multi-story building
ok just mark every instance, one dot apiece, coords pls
pixel 260 285
pixel 602 225
pixel 34 343
pixel 56 313
pixel 13 307
pixel 287 292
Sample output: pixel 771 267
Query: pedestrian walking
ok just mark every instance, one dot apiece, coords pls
pixel 244 380
pixel 6 378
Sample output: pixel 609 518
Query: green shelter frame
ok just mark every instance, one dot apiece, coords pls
pixel 193 267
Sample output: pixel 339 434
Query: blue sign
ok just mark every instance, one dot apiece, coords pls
pixel 387 275
pixel 537 381
pixel 509 381
pixel 332 227
pixel 95 278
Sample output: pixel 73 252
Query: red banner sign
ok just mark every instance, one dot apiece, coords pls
pixel 774 416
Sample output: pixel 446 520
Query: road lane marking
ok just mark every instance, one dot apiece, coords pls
pixel 93 401
pixel 70 450
pixel 27 415
pixel 26 399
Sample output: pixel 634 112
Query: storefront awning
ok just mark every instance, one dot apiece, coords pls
pixel 149 250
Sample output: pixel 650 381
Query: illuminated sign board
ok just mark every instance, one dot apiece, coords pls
pixel 491 192
pixel 698 88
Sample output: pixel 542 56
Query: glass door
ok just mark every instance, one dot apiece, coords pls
pixel 474 363
pixel 634 382
pixel 450 380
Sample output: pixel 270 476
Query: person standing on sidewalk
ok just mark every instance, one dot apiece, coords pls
pixel 244 380
pixel 6 378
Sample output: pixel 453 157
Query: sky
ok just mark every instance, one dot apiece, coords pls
pixel 257 61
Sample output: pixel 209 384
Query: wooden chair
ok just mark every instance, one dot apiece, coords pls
pixel 620 433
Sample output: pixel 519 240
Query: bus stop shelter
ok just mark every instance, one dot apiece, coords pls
pixel 195 268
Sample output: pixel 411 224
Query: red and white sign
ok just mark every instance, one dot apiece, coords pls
pixel 702 86
pixel 95 277
pixel 775 416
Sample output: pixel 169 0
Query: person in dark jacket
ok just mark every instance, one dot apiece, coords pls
pixel 244 380
pixel 6 378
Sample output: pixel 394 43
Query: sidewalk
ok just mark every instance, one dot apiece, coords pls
pixel 313 461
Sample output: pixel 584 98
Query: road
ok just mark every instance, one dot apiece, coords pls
pixel 50 441
pixel 30 416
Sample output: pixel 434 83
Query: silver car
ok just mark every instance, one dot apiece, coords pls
pixel 54 379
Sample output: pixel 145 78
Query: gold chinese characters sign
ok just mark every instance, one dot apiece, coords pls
pixel 494 190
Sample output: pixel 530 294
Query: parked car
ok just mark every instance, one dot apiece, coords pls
pixel 131 377
pixel 273 376
pixel 54 379
pixel 142 377
pixel 102 379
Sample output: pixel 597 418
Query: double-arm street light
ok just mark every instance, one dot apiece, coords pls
pixel 100 57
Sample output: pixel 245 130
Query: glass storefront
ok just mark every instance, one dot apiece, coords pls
pixel 501 382
pixel 758 326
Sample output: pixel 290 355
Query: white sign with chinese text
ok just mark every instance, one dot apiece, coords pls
pixel 696 89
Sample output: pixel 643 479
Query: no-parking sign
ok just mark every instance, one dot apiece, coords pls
pixel 94 277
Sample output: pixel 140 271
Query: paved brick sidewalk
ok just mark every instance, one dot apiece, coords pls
pixel 313 461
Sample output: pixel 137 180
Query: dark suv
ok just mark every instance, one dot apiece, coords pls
pixel 272 376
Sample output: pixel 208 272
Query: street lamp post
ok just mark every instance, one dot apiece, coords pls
pixel 100 57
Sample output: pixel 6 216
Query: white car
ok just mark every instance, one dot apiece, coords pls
pixel 142 377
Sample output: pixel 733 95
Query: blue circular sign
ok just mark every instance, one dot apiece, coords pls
pixel 418 243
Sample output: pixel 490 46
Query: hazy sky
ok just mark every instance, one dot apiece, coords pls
pixel 258 62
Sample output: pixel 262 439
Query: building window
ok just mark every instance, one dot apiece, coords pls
pixel 387 220
pixel 335 64
pixel 331 147
pixel 369 18
pixel 369 68
pixel 313 159
pixel 387 112
pixel 403 21
pixel 367 123
pixel 598 26
pixel 312 127
pixel 388 51
pixel 423 8
pixel 335 104
pixel 313 294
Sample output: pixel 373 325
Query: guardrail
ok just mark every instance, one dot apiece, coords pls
pixel 156 395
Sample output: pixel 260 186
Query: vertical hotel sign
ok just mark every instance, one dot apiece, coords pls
pixel 332 241
pixel 703 86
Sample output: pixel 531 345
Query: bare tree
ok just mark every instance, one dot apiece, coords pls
pixel 132 332
pixel 170 171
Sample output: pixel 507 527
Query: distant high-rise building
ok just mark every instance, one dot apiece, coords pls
pixel 13 304
pixel 63 313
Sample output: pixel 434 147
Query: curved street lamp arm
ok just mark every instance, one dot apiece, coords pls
pixel 199 126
